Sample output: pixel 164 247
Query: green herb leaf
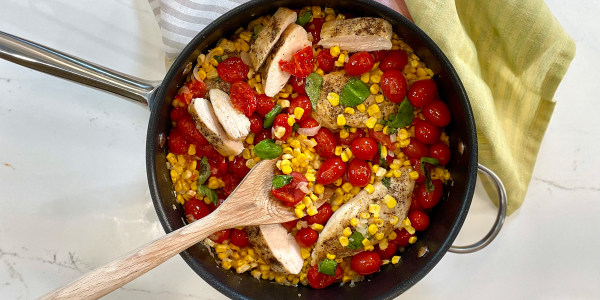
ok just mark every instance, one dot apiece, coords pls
pixel 327 267
pixel 425 170
pixel 312 85
pixel 404 116
pixel 295 127
pixel 267 149
pixel 270 116
pixel 256 30
pixel 280 181
pixel 204 171
pixel 355 240
pixel 386 181
pixel 208 192
pixel 354 92
pixel 218 58
pixel 305 18
pixel 382 160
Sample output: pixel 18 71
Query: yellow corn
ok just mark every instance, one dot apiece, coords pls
pixel 354 222
pixel 338 182
pixel 330 256
pixel 375 78
pixel 379 236
pixel 378 127
pixel 343 241
pixel 394 221
pixel 365 215
pixel 334 51
pixel 202 74
pixel 378 222
pixel 333 98
pixel 410 229
pixel 373 229
pixel 374 110
pixel 366 242
pixel 311 211
pixel 374 89
pixel 286 169
pixel 412 239
pixel 299 213
pixel 397 173
pixel 347 231
pixel 371 122
pixel 374 208
pixel 364 77
pixel 347 187
pixel 298 112
pixel 317 227
pixel 344 157
pixel 379 98
pixel 389 201
pixel 341 120
pixel 284 103
pixel 344 134
pixel 349 110
pixel 384 151
pixel 414 175
pixel 370 188
pixel 305 252
pixel 395 259
pixel 361 107
pixel 291 120
pixel 341 60
pixel 338 150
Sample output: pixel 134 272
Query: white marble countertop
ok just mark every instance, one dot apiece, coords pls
pixel 74 195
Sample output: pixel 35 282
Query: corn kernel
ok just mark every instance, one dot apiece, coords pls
pixel 313 197
pixel 354 222
pixel 317 227
pixel 344 133
pixel 311 211
pixel 374 208
pixel 355 190
pixel 412 239
pixel 366 242
pixel 341 60
pixel 344 157
pixel 403 134
pixel 374 110
pixel 364 77
pixel 305 252
pixel 343 241
pixel 374 89
pixel 338 182
pixel 373 229
pixel 286 169
pixel 347 231
pixel 371 122
pixel 338 150
pixel 395 259
pixel 349 110
pixel 394 221
pixel 379 236
pixel 347 187
pixel 334 208
pixel 370 188
pixel 414 175
pixel 378 222
pixel 341 120
pixel 410 229
pixel 365 215
pixel 330 256
pixel 299 213
pixel 298 112
pixel 291 120
pixel 378 127
pixel 334 51
pixel 284 103
pixel 361 107
pixel 333 98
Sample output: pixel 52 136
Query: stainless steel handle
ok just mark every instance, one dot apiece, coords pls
pixel 53 62
pixel 491 235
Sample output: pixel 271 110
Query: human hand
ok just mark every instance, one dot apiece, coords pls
pixel 398 5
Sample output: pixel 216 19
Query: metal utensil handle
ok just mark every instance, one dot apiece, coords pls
pixel 489 237
pixel 53 62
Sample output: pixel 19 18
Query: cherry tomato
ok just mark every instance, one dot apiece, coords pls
pixel 314 28
pixel 383 138
pixel 415 149
pixel 331 170
pixel 415 204
pixel 290 194
pixel 388 253
pixel 303 102
pixel 243 97
pixel 256 123
pixel 418 220
pixel 393 85
pixel 441 152
pixel 239 237
pixel 306 237
pixel 178 143
pixel 220 236
pixel 290 225
pixel 210 153
pixel 231 182
pixel 359 172
pixel 416 164
pixel 178 113
pixel 282 121
pixel 402 237
pixel 195 210
pixel 309 123
pixel 364 148
pixel 437 113
pixel 359 63
pixel 318 280
pixel 422 92
pixel 352 136
pixel 238 167
pixel 233 69
pixel 325 61
pixel 427 133
pixel 302 63
pixel 365 263
pixel 262 135
pixel 427 199
pixel 187 126
pixel 264 104
pixel 197 87
pixel 394 60
pixel 298 85
pixel 326 143
pixel 378 55
pixel 323 214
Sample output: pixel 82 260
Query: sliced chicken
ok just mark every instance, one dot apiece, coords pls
pixel 276 247
pixel 207 123
pixel 357 34
pixel 327 114
pixel 293 39
pixel 268 36
pixel 400 188
pixel 235 123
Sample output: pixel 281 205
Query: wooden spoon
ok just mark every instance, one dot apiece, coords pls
pixel 249 204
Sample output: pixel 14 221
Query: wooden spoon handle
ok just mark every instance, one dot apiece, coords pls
pixel 122 270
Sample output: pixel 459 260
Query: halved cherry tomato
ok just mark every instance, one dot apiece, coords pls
pixel 402 237
pixel 416 164
pixel 302 64
pixel 264 104
pixel 388 253
pixel 415 149
pixel 281 121
pixel 325 61
pixel 393 85
pixel 243 97
pixel 178 113
pixel 239 237
pixel 378 55
pixel 441 152
pixel 331 170
pixel 218 165
pixel 290 225
pixel 326 143
pixel 233 69
pixel 365 263
pixel 298 85
pixel 427 199
pixel 418 220
pixel 195 210
pixel 364 148
pixel 231 182
pixel 318 280
pixel 394 60
pixel 426 132
pixel 422 92
pixel 323 214
pixel 359 63
pixel 197 87
pixel 352 136
pixel 256 123
pixel 208 151
pixel 359 172
pixel 238 167
pixel 220 236
pixel 383 138
pixel 309 123
pixel 306 237
pixel 262 135
pixel 303 102
pixel 437 113
pixel 290 194
pixel 187 126
pixel 178 143
pixel 314 28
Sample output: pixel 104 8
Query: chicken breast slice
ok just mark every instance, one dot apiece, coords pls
pixel 236 124
pixel 218 84
pixel 207 123
pixel 357 34
pixel 327 114
pixel 400 188
pixel 268 36
pixel 276 247
pixel 293 39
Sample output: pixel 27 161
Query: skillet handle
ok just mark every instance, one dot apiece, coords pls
pixel 53 62
pixel 491 235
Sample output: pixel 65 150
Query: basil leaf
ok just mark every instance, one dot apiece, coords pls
pixel 208 192
pixel 382 160
pixel 305 18
pixel 204 171
pixel 386 181
pixel 433 161
pixel 404 116
pixel 295 127
pixel 267 149
pixel 256 30
pixel 354 92
pixel 218 58
pixel 280 181
pixel 312 85
pixel 327 267
pixel 270 116
pixel 355 240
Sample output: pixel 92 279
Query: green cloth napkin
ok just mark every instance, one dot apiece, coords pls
pixel 510 55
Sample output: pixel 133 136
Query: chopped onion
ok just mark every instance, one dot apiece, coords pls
pixel 393 138
pixel 195 72
pixel 184 90
pixel 309 131
pixel 245 57
pixel 303 186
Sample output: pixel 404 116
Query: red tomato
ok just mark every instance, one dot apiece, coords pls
pixel 218 165
pixel 318 280
pixel 309 123
pixel 262 135
pixel 239 238
pixel 306 237
pixel 302 64
pixel 209 152
pixel 184 97
pixel 394 60
pixel 326 143
pixel 256 123
pixel 231 182
pixel 427 133
pixel 238 167
pixel 388 253
pixel 352 136
pixel 178 113
pixel 383 138
pixel 243 97
pixel 195 210
pixel 415 149
pixel 364 148
pixel 303 102
pixel 178 143
pixel 298 85
pixel 393 85
pixel 365 263
pixel 418 220
pixel 325 61
pixel 264 104
pixel 415 204
pixel 378 55
pixel 314 28
pixel 437 113
pixel 402 237
pixel 290 225
pixel 416 164
pixel 282 121
pixel 187 126
pixel 197 87
pixel 323 214
pixel 441 152
pixel 427 199
pixel 359 172
pixel 331 170
pixel 290 194
pixel 220 236
pixel 233 69
pixel 359 63
pixel 422 92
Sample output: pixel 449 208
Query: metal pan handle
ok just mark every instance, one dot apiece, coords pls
pixel 489 237
pixel 53 62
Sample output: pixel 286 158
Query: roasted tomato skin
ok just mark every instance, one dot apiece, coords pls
pixel 393 85
pixel 306 237
pixel 318 280
pixel 326 143
pixel 331 170
pixel 243 98
pixel 365 263
pixel 323 214
pixel 232 69
pixel 359 63
pixel 358 172
pixel 290 194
